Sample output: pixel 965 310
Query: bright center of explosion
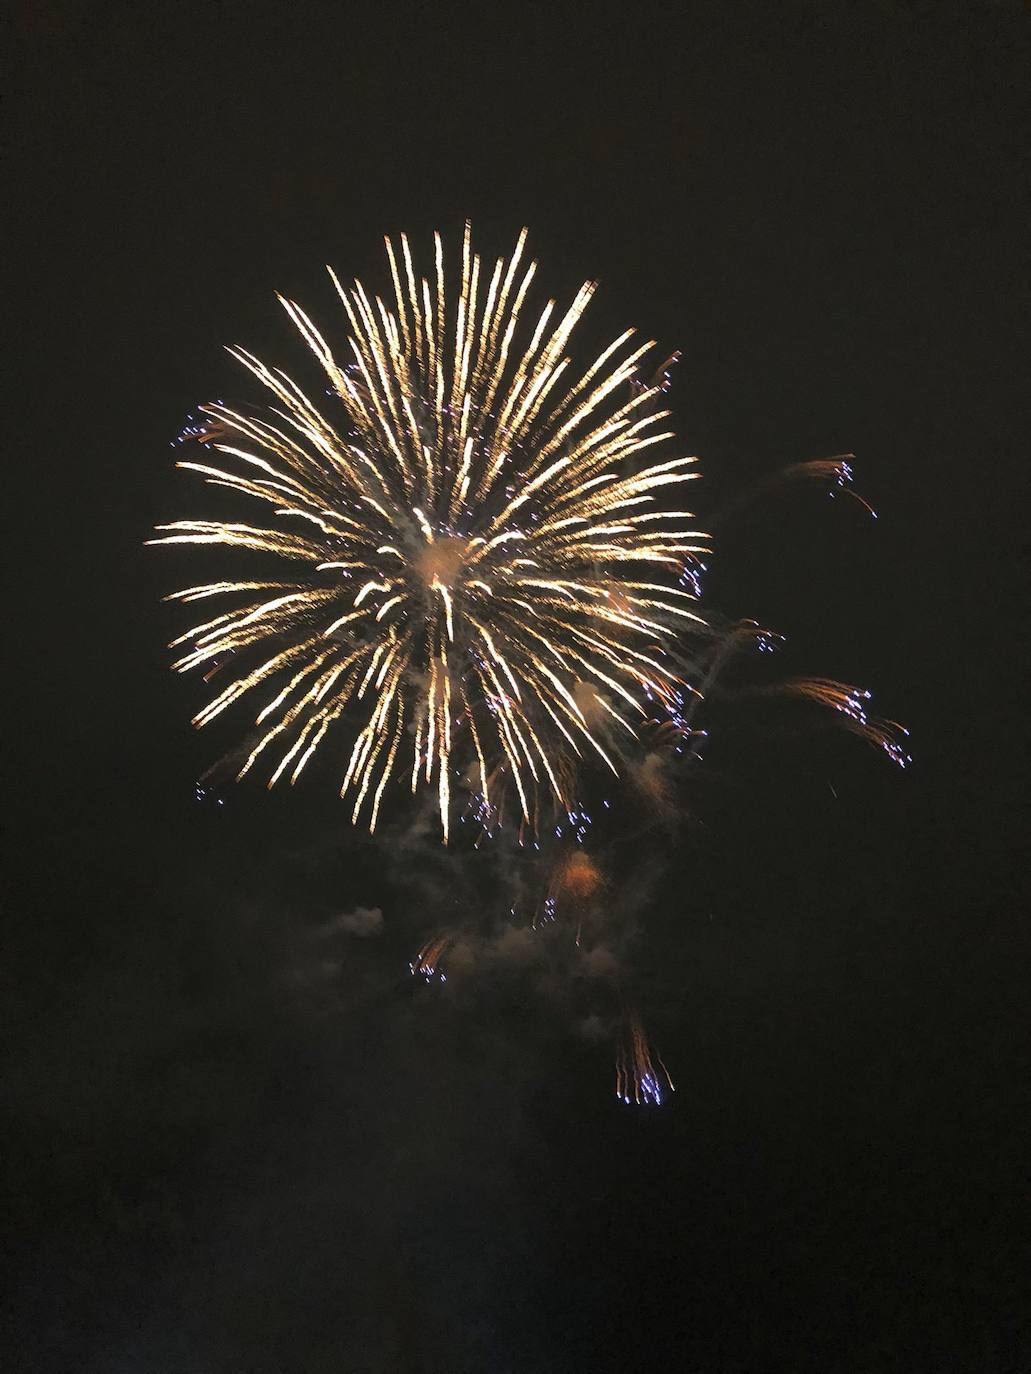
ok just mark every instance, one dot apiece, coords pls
pixel 578 877
pixel 441 562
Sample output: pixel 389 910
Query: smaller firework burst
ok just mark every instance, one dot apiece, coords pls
pixel 574 885
pixel 576 878
pixel 637 1079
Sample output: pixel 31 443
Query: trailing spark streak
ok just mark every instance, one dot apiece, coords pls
pixel 471 546
pixel 637 1079
pixel 851 704
pixel 427 962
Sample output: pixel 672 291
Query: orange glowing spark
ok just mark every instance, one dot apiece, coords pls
pixel 575 881
pixel 576 877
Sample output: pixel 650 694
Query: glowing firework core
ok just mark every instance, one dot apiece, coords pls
pixel 441 562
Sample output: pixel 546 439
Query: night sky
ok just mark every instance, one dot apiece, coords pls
pixel 236 1141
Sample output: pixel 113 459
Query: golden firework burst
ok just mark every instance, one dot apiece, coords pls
pixel 480 567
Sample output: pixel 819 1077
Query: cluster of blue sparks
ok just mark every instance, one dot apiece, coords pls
pixel 649 1091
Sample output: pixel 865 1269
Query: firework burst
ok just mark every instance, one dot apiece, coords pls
pixel 480 568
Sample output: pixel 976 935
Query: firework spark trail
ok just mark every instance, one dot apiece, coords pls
pixel 637 1079
pixel 837 471
pixel 836 474
pixel 472 544
pixel 427 962
pixel 851 704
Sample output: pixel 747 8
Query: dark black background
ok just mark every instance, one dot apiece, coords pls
pixel 229 1150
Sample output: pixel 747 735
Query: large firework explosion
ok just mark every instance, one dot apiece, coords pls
pixel 485 583
pixel 479 566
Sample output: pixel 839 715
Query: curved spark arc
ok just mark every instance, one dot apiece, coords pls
pixel 473 542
